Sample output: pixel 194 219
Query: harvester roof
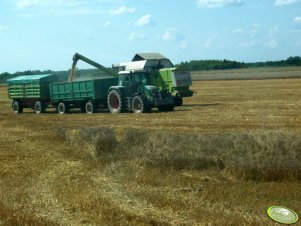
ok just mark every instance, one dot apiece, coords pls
pixel 148 56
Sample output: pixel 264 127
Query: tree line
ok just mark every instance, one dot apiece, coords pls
pixel 205 65
pixel 194 65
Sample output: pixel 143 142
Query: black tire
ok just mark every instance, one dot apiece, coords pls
pixel 17 107
pixel 39 107
pixel 178 100
pixel 116 102
pixel 90 107
pixel 140 104
pixel 62 108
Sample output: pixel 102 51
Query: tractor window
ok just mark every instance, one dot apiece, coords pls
pixel 124 80
pixel 140 78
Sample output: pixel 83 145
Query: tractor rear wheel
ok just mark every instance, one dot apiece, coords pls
pixel 62 108
pixel 140 104
pixel 116 102
pixel 17 107
pixel 90 107
pixel 39 107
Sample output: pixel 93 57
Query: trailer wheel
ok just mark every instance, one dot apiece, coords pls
pixel 62 108
pixel 116 103
pixel 39 107
pixel 17 107
pixel 90 107
pixel 140 104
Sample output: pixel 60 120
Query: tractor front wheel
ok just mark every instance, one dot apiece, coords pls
pixel 140 104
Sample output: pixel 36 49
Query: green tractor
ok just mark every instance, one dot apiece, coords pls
pixel 134 91
pixel 162 74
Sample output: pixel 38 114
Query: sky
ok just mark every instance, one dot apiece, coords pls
pixel 44 34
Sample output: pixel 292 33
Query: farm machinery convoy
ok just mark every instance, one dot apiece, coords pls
pixel 148 81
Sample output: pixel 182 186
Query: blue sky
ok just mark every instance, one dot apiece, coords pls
pixel 44 34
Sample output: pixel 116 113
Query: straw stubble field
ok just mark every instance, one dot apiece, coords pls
pixel 223 158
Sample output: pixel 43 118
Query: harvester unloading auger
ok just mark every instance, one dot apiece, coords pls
pixel 77 57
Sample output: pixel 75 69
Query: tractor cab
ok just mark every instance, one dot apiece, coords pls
pixel 136 82
pixel 129 79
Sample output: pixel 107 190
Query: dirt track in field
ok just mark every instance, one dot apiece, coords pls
pixel 165 168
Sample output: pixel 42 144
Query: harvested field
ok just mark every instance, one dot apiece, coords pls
pixel 223 158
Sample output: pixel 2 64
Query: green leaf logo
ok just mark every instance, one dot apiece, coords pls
pixel 282 215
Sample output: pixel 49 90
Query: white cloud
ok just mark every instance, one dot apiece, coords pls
pixel 28 3
pixel 169 34
pixel 22 4
pixel 59 7
pixel 218 3
pixel 273 31
pixel 2 27
pixel 172 34
pixel 136 36
pixel 122 10
pixel 183 44
pixel 272 44
pixel 146 20
pixel 253 31
pixel 107 24
pixel 208 43
pixel 285 2
pixel 259 36
pixel 297 20
pixel 238 31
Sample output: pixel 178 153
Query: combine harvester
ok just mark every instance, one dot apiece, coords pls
pixel 121 92
pixel 162 74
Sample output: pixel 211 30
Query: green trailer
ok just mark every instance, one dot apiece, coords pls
pixel 87 95
pixel 30 91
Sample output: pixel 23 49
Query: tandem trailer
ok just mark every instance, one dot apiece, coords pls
pixel 40 91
